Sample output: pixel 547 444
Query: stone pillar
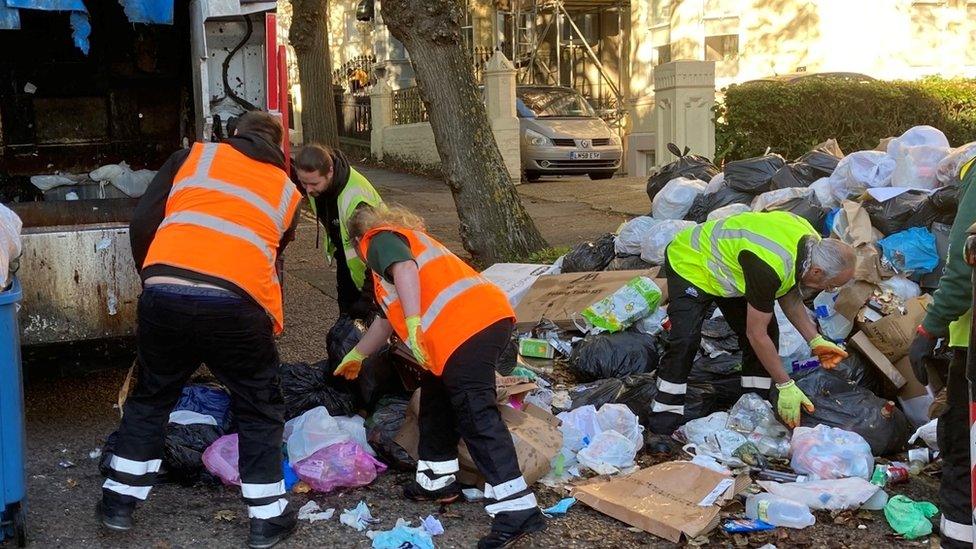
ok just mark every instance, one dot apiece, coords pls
pixel 500 79
pixel 684 93
pixel 392 61
pixel 381 116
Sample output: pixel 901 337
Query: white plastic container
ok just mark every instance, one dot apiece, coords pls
pixel 779 511
pixel 833 325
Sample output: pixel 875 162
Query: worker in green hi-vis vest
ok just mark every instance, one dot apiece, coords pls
pixel 948 319
pixel 335 191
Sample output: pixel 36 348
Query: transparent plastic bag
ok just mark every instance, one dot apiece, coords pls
pixel 728 211
pixel 826 452
pixel 619 418
pixel 656 242
pixel 632 233
pixel 675 199
pixel 343 465
pixel 917 136
pixel 221 459
pixel 10 243
pixel 579 426
pixel 698 430
pixel 832 494
pixel 947 172
pixel 780 196
pixel 316 429
pixel 860 171
pixel 608 453
pixel 916 167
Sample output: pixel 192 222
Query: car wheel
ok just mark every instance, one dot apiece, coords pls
pixel 531 176
pixel 600 175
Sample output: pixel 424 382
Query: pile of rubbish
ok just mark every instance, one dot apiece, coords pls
pixel 593 343
pixel 108 181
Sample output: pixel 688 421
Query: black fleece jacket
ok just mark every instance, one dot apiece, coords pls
pixel 151 209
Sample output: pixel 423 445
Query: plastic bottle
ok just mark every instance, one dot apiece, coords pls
pixel 779 511
pixel 834 326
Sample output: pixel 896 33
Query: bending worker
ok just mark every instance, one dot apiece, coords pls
pixel 950 315
pixel 335 192
pixel 456 323
pixel 205 238
pixel 744 264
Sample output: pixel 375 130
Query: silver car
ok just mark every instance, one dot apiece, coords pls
pixel 561 134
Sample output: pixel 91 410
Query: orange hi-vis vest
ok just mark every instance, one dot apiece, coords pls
pixel 225 217
pixel 455 301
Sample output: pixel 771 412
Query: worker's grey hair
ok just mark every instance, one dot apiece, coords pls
pixel 831 255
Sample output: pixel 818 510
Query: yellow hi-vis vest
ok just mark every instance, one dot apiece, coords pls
pixel 707 255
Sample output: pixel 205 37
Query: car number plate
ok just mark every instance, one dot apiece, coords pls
pixel 584 155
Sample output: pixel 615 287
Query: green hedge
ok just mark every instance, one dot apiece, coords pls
pixel 790 118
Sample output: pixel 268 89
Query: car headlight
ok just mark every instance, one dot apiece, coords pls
pixel 614 139
pixel 537 139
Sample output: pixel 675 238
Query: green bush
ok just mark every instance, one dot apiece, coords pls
pixel 790 118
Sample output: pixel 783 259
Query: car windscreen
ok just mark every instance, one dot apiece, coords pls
pixel 547 103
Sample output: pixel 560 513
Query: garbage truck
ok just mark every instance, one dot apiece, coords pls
pixel 85 118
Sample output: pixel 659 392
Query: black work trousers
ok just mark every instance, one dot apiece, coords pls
pixel 461 404
pixel 178 329
pixel 953 436
pixel 687 307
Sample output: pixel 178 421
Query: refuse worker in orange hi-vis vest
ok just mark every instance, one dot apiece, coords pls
pixel 205 238
pixel 456 323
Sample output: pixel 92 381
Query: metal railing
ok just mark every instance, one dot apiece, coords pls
pixel 408 108
pixel 353 116
pixel 356 74
pixel 479 56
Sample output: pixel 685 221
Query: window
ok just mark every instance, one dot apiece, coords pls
pixel 553 102
pixel 723 47
pixel 660 11
pixel 663 54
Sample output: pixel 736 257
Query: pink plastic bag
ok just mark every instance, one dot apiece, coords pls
pixel 343 465
pixel 221 457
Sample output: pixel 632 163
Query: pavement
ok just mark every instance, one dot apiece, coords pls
pixel 71 397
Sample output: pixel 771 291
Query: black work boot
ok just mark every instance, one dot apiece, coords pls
pixel 509 528
pixel 114 514
pixel 448 494
pixel 268 532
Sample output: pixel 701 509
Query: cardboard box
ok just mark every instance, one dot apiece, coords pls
pixel 852 297
pixel 861 342
pixel 667 500
pixel 515 279
pixel 893 334
pixel 535 433
pixel 561 298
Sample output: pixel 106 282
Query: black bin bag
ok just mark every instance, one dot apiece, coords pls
pixel 687 165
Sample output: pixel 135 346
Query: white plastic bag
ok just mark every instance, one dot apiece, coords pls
pixel 619 418
pixel 608 453
pixel 779 196
pixel 132 183
pixel 628 241
pixel 583 420
pixel 316 429
pixel 792 346
pixel 675 199
pixel 10 243
pixel 656 242
pixel 48 182
pixel 832 494
pixel 828 452
pixel 915 167
pixel 902 287
pixel 917 136
pixel 947 172
pixel 821 190
pixel 928 434
pixel 859 171
pixel 715 183
pixel 698 430
pixel 728 211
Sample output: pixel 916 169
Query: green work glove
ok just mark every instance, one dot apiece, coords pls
pixel 789 401
pixel 415 339
pixel 350 365
pixel 829 353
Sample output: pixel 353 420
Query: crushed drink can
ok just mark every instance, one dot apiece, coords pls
pixel 897 474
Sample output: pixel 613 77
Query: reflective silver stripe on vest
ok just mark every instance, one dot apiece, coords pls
pixel 722 274
pixel 433 250
pixel 391 294
pixel 695 237
pixel 758 240
pixel 202 180
pixel 355 193
pixel 351 254
pixel 221 226
pixel 446 296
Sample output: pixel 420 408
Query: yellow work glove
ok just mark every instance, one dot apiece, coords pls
pixel 350 365
pixel 829 353
pixel 789 401
pixel 415 339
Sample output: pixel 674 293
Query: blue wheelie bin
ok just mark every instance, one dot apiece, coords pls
pixel 13 472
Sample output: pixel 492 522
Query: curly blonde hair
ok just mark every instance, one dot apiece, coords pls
pixel 367 218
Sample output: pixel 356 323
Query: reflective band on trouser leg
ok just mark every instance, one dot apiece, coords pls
pixel 505 489
pixel 260 491
pixel 133 467
pixel 671 408
pixel 756 382
pixel 523 503
pixel 139 492
pixel 509 496
pixel 435 475
pixel 956 530
pixel 666 386
pixel 271 510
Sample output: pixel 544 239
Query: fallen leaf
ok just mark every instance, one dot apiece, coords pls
pixel 71 483
pixel 225 515
pixel 740 540
pixel 302 488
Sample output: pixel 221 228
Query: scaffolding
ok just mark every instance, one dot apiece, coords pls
pixel 532 24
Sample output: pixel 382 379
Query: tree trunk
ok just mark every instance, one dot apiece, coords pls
pixel 309 34
pixel 494 225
